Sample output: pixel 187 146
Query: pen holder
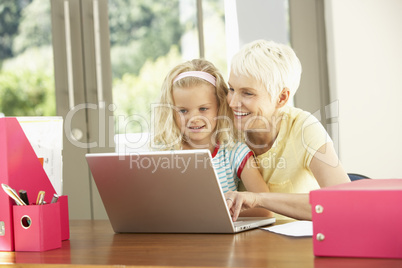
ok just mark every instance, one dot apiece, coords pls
pixel 37 227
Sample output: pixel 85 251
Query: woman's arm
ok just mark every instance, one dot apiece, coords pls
pixel 292 205
pixel 325 167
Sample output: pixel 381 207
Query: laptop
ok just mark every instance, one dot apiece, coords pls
pixel 164 192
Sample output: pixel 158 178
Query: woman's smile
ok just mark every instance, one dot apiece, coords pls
pixel 239 114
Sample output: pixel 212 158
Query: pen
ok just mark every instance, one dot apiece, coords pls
pixel 13 195
pixel 24 196
pixel 40 199
pixel 54 199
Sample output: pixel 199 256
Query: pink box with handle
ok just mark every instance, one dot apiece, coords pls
pixel 358 219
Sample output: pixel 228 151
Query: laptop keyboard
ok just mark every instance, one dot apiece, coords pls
pixel 238 223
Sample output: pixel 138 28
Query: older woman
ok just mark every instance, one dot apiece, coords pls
pixel 294 152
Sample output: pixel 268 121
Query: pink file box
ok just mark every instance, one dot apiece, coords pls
pixel 20 168
pixel 37 227
pixel 358 219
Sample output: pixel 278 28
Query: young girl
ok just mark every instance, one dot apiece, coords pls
pixel 193 114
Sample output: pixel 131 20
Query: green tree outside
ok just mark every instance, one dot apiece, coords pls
pixel 27 93
pixel 133 94
pixel 10 16
pixel 141 30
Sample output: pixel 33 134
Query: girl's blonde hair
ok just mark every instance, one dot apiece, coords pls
pixel 167 135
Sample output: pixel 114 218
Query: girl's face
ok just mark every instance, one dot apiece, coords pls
pixel 251 104
pixel 196 112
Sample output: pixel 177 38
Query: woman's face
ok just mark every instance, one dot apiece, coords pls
pixel 251 104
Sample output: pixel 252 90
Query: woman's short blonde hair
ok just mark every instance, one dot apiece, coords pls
pixel 167 135
pixel 273 64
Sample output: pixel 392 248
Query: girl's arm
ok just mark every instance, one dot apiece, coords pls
pixel 253 181
pixel 251 177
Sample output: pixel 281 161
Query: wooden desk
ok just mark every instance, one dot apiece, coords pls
pixel 94 243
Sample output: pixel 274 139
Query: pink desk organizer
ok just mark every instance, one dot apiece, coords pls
pixel 21 169
pixel 37 227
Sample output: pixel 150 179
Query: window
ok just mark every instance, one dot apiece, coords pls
pixel 26 59
pixel 150 37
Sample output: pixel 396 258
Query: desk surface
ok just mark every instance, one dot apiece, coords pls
pixel 94 243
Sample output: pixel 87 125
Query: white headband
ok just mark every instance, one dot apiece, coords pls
pixel 203 75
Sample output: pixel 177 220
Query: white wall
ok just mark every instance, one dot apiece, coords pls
pixel 364 41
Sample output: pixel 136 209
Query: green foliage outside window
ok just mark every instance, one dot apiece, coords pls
pixel 143 32
pixel 27 93
pixel 133 94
